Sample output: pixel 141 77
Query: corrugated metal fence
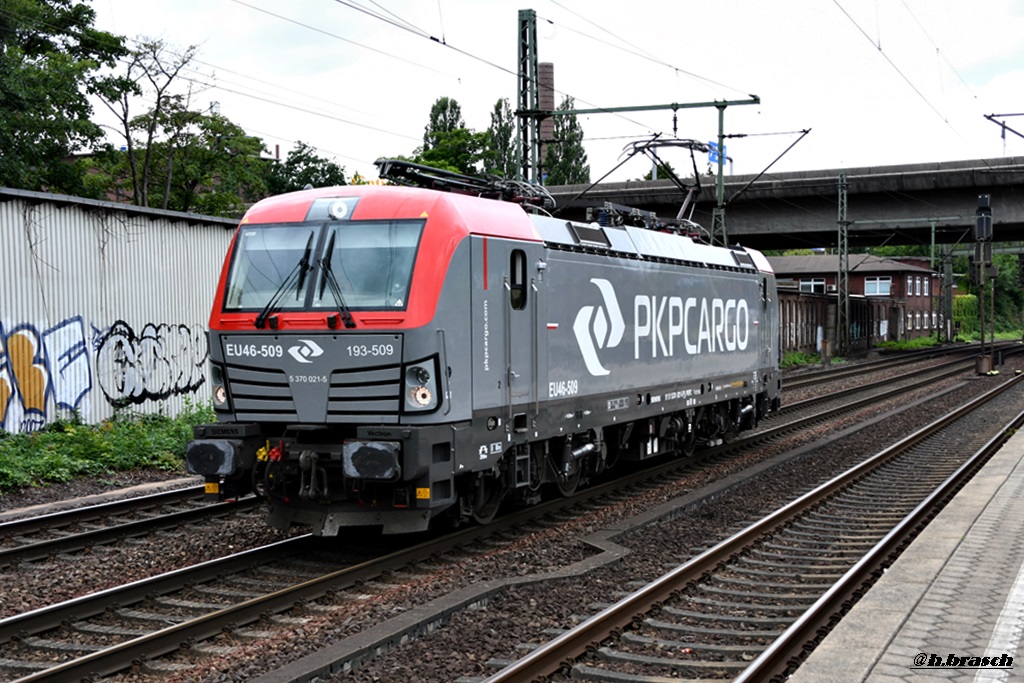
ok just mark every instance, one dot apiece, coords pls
pixel 102 306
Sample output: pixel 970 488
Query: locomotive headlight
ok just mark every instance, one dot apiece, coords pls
pixel 421 396
pixel 420 388
pixel 218 387
pixel 338 210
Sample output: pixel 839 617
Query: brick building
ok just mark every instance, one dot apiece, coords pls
pixel 895 299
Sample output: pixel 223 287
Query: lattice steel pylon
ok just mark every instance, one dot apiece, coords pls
pixel 843 276
pixel 528 151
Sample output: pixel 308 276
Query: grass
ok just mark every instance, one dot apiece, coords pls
pixel 67 448
pixel 792 359
pixel 974 335
pixel 909 344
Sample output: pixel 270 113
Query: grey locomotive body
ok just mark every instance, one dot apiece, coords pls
pixel 502 353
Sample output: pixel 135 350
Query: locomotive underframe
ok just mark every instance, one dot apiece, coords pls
pixel 413 475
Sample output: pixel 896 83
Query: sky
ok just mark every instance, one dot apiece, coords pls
pixel 877 82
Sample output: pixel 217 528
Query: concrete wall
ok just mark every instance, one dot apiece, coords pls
pixel 102 305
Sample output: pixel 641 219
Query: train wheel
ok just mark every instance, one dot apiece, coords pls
pixel 487 495
pixel 567 485
pixel 688 444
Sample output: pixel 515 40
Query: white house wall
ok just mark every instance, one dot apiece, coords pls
pixel 102 306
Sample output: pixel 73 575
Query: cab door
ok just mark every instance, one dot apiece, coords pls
pixel 520 327
pixel 505 331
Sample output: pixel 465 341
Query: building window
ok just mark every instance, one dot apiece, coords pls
pixel 935 320
pixel 910 285
pixel 910 321
pixel 814 284
pixel 917 320
pixel 917 287
pixel 877 286
pixel 927 283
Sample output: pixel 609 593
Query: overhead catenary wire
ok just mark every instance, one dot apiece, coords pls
pixel 636 50
pixel 393 47
pixel 893 64
pixel 440 41
pixel 243 92
pixel 938 50
pixel 211 82
pixel 317 29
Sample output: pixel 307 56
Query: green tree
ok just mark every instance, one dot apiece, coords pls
pixel 903 250
pixel 303 167
pixel 49 60
pixel 499 154
pixel 211 166
pixel 665 171
pixel 150 72
pixel 566 161
pixel 174 156
pixel 447 143
pixel 445 117
pixel 207 165
pixel 965 314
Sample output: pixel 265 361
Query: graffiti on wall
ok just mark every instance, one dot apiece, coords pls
pixel 54 368
pixel 158 362
pixel 36 366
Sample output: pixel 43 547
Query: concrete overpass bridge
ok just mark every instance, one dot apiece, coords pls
pixel 892 205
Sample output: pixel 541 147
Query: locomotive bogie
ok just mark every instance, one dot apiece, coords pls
pixel 440 355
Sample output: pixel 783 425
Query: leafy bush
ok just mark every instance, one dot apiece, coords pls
pixel 909 344
pixel 965 314
pixel 66 448
pixel 793 358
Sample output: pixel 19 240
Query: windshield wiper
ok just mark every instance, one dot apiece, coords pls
pixel 298 275
pixel 328 273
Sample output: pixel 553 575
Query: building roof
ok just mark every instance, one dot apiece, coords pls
pixel 828 264
pixel 10 194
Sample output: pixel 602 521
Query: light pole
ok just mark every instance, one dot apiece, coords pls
pixel 982 261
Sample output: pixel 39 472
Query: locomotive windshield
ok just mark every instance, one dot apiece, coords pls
pixel 370 263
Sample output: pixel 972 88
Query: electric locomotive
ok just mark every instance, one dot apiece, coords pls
pixel 389 356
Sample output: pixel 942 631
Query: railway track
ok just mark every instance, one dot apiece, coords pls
pixel 44 536
pixel 36 538
pixel 838 372
pixel 31 643
pixel 879 390
pixel 749 607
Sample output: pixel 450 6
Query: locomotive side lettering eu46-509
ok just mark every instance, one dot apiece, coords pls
pixel 389 356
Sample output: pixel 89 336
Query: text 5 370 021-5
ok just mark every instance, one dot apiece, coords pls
pixel 307 379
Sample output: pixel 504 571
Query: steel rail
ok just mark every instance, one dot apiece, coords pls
pixel 565 648
pixel 105 535
pixel 798 423
pixel 839 372
pixel 167 640
pixel 62 518
pixel 928 375
pixel 810 627
pixel 121 656
pixel 93 604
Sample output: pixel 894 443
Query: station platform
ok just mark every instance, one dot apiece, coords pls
pixel 953 598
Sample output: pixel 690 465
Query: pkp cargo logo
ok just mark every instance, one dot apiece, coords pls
pixel 305 351
pixel 599 327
